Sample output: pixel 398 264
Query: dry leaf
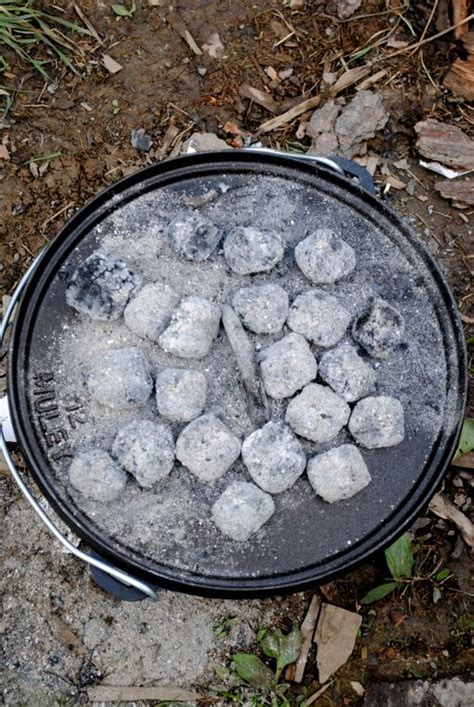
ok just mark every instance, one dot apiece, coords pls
pixel 446 510
pixel 335 637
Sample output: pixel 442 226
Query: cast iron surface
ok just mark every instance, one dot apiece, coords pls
pixel 300 555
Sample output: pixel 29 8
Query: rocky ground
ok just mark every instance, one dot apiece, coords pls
pixel 226 69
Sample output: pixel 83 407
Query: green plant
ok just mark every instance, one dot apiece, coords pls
pixel 400 561
pixel 23 28
pixel 248 670
pixel 466 439
pixel 123 10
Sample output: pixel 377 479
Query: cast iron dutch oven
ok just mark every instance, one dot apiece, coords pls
pixel 309 548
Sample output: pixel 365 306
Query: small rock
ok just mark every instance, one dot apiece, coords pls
pixel 193 236
pixel 140 140
pixel 323 119
pixel 102 286
pixel 120 378
pixel 319 317
pixel 204 142
pixel 242 510
pixel 359 121
pixel 379 329
pixel 214 47
pixel 263 308
pixel 339 473
pixel 149 312
pixel 193 327
pixel 202 71
pixel 207 448
pixel 97 476
pixel 248 250
pixel 274 457
pixel 317 413
pixel 347 373
pixel 180 393
pixel 324 258
pixel 146 450
pixel 346 8
pixel 377 422
pixel 286 366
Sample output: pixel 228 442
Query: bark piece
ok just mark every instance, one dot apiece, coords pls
pixel 445 143
pixel 335 638
pixel 307 631
pixel 459 191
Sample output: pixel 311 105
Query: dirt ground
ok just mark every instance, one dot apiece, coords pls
pixel 60 633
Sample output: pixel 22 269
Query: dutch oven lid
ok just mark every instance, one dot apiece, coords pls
pixel 307 540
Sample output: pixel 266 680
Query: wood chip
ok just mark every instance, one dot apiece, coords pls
pixel 445 143
pixel 261 97
pixel 307 632
pixel 460 77
pixel 170 135
pixel 63 633
pixel 358 688
pixel 335 637
pixel 460 10
pixel 460 190
pixel 395 183
pixel 349 78
pixel 289 115
pixel 119 693
pixel 112 66
pixel 371 80
pixel 180 28
pixel 446 510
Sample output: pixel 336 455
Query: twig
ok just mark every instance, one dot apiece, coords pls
pixel 423 34
pixel 420 43
pixel 58 213
pixel 289 115
pixel 307 631
pixel 87 23
pixel 317 694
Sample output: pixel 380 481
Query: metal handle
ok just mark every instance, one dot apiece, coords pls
pixel 90 560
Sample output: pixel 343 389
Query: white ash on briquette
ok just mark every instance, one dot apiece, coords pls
pixel 97 476
pixel 180 393
pixel 148 313
pixel 242 510
pixel 378 422
pixel 146 450
pixel 317 413
pixel 102 286
pixel 301 341
pixel 193 236
pixel 324 258
pixel 263 308
pixel 320 317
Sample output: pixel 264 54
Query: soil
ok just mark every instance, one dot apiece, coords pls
pixel 60 633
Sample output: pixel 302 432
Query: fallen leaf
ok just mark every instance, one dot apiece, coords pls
pixel 253 670
pixel 446 510
pixel 335 637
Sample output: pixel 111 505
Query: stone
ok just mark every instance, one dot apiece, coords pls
pixel 180 393
pixel 249 250
pixel 317 413
pixel 377 422
pixel 346 8
pixel 193 236
pixel 274 457
pixel 193 327
pixel 379 329
pixel 140 140
pixel 204 142
pixel 241 510
pixel 339 473
pixel 149 312
pixel 286 366
pixel 146 450
pixel 319 317
pixel 120 378
pixel 324 258
pixel 101 287
pixel 263 308
pixel 359 121
pixel 347 373
pixel 448 692
pixel 207 448
pixel 97 476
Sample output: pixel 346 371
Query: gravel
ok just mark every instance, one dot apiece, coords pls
pixel 193 327
pixel 339 473
pixel 274 457
pixel 193 236
pixel 149 312
pixel 249 250
pixel 242 510
pixel 180 393
pixel 377 422
pixel 120 378
pixel 97 476
pixel 101 287
pixel 263 308
pixel 347 373
pixel 287 365
pixel 317 413
pixel 380 329
pixel 207 448
pixel 319 317
pixel 324 258
pixel 146 450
